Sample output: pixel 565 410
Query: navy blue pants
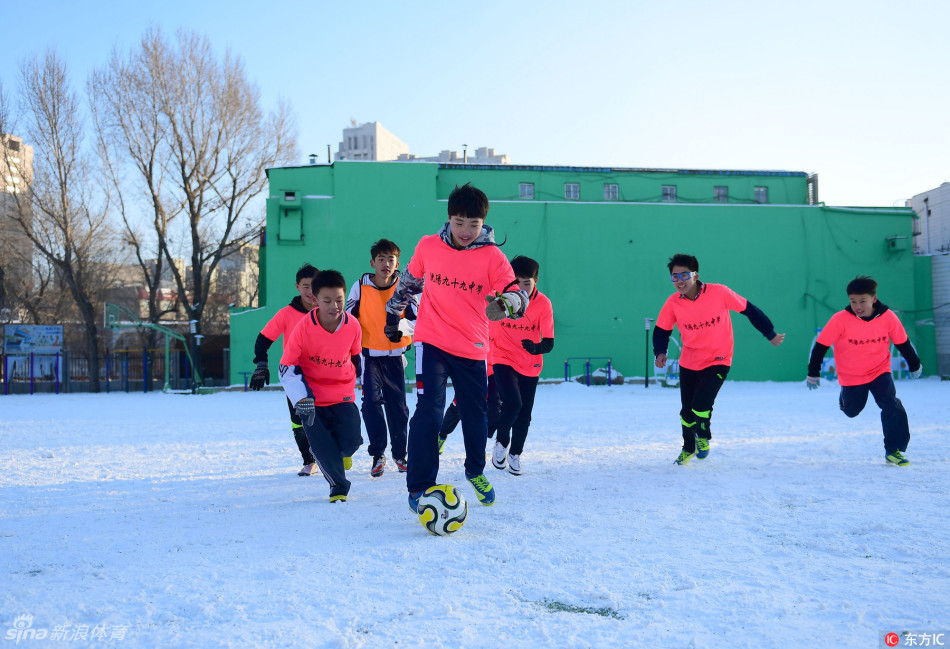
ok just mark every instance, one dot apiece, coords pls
pixel 698 392
pixel 335 434
pixel 893 416
pixel 516 392
pixel 451 418
pixel 303 444
pixel 384 388
pixel 434 367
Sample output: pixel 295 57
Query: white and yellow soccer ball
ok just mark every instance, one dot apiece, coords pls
pixel 442 509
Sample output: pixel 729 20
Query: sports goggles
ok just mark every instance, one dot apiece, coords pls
pixel 683 277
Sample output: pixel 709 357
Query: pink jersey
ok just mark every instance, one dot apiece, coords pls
pixel 452 309
pixel 704 323
pixel 506 336
pixel 862 349
pixel 324 357
pixel 283 323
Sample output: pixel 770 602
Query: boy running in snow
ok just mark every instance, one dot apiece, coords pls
pixel 282 324
pixel 318 371
pixel 701 312
pixel 457 271
pixel 516 355
pixel 861 335
pixel 384 378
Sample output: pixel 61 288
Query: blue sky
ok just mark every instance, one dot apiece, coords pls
pixel 855 91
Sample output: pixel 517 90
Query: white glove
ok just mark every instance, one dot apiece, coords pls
pixel 916 373
pixel 499 307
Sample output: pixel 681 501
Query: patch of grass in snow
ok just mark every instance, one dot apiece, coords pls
pixel 555 606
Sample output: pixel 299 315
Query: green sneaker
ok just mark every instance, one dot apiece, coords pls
pixel 348 462
pixel 441 444
pixel 684 458
pixel 483 488
pixel 897 459
pixel 702 448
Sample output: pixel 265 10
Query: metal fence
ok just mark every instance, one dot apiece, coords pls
pixel 121 370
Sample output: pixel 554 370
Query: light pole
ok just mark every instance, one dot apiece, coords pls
pixel 647 323
pixel 465 153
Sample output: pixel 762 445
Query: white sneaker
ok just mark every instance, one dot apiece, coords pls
pixel 499 456
pixel 514 464
pixel 307 470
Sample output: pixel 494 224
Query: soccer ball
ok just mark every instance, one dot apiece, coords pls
pixel 442 509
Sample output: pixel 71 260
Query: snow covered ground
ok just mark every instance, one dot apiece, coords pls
pixel 134 520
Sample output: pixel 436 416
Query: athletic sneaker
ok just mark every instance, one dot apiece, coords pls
pixel 348 462
pixel 499 456
pixel 379 465
pixel 514 464
pixel 307 469
pixel 441 444
pixel 897 459
pixel 414 500
pixel 483 488
pixel 684 458
pixel 401 464
pixel 338 499
pixel 702 448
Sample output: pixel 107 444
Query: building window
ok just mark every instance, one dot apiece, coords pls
pixel 572 191
pixel 669 193
pixel 721 194
pixel 761 194
pixel 364 142
pixel 526 191
pixel 611 192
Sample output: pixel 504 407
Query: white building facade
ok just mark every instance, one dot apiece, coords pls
pixel 932 237
pixel 370 141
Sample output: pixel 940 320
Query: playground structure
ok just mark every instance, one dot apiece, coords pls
pixel 118 317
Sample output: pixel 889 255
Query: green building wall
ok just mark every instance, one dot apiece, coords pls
pixel 603 263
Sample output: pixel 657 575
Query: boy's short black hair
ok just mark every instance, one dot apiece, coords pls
pixel 468 202
pixel 306 271
pixel 687 261
pixel 384 247
pixel 328 279
pixel 525 267
pixel 862 285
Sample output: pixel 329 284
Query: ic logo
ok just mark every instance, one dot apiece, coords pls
pixel 892 639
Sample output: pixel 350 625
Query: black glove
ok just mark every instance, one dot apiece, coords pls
pixel 392 328
pixel 260 377
pixel 306 410
pixel 530 346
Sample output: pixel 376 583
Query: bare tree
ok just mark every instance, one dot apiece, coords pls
pixel 131 131
pixel 58 209
pixel 192 128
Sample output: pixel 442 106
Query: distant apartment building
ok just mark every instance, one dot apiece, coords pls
pixel 482 156
pixel 371 141
pixel 16 249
